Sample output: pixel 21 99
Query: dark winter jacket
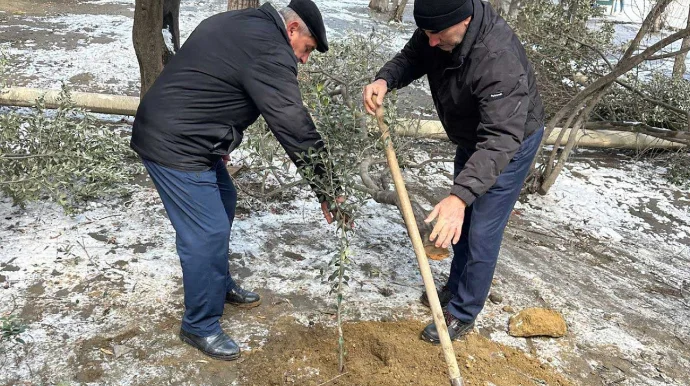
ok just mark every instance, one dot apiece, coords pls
pixel 233 67
pixel 484 91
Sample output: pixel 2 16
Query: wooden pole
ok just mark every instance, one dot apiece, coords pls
pixel 418 245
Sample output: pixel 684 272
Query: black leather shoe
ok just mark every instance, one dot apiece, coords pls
pixel 456 329
pixel 242 298
pixel 444 296
pixel 219 346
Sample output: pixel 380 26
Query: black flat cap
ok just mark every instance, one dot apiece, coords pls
pixel 310 14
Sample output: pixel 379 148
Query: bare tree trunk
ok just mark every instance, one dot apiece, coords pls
pixel 150 16
pixel 234 5
pixel 679 63
pixel 399 10
pixel 379 5
pixel 148 40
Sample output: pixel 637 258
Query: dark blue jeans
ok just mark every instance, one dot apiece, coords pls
pixel 476 253
pixel 201 207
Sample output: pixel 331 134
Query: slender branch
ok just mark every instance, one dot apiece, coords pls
pixel 659 7
pixel 579 123
pixel 601 54
pixel 432 160
pixel 335 78
pixel 670 54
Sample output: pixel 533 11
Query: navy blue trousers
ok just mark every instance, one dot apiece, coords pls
pixel 476 253
pixel 201 207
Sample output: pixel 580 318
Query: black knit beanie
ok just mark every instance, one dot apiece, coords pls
pixel 437 15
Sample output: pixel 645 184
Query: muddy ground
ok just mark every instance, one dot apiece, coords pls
pixel 100 292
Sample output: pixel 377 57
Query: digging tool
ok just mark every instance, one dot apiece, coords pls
pixel 418 244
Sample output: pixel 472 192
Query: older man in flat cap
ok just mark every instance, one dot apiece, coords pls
pixel 486 96
pixel 232 68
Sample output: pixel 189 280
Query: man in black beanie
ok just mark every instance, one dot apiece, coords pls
pixel 486 97
pixel 234 67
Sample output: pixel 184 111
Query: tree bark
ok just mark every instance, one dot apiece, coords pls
pixel 148 40
pixel 399 10
pixel 379 5
pixel 659 21
pixel 679 63
pixel 242 4
pixel 171 22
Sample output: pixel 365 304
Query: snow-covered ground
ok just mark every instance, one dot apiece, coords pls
pixel 102 52
pixel 634 11
pixel 607 247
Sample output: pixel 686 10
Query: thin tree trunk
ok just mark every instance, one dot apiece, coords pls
pixel 150 18
pixel 399 10
pixel 550 179
pixel 679 63
pixel 242 4
pixel 148 40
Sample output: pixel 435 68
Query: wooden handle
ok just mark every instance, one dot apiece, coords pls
pixel 418 245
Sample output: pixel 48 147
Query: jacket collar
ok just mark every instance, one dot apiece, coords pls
pixel 268 9
pixel 473 31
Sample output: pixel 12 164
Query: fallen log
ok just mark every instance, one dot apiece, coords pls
pixel 618 136
pixel 96 103
pixel 625 136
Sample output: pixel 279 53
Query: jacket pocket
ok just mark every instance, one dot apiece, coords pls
pixel 228 142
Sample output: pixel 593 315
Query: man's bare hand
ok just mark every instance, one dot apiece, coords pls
pixel 328 213
pixel 225 159
pixel 451 214
pixel 378 88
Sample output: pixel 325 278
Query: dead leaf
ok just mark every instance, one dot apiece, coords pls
pixel 105 351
